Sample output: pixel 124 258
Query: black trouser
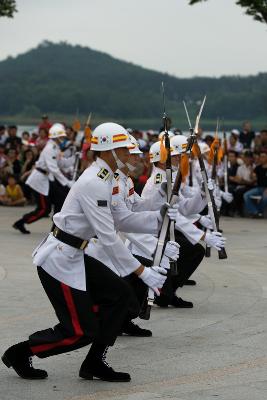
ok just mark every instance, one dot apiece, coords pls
pixel 43 208
pixel 189 259
pixel 57 194
pixel 139 287
pixel 78 324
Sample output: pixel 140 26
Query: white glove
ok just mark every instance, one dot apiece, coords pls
pixel 206 222
pixel 210 184
pixel 172 250
pixel 165 263
pixel 228 197
pixel 215 239
pixel 70 183
pixel 154 278
pixel 172 212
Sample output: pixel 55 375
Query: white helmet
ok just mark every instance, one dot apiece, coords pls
pixel 204 148
pixel 170 133
pixel 134 146
pixel 56 131
pixel 178 144
pixel 109 136
pixel 154 152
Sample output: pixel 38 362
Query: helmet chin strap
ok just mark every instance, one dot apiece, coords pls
pixel 119 163
pixel 130 167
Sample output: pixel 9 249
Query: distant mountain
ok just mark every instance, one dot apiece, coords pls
pixel 59 78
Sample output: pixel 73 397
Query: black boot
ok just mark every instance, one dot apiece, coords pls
pixel 132 329
pixel 19 225
pixel 95 366
pixel 162 301
pixel 190 282
pixel 178 302
pixel 19 358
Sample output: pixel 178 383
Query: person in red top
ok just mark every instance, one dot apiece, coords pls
pixel 45 124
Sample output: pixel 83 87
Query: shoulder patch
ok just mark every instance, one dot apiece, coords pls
pixel 115 190
pixel 116 176
pixel 102 203
pixel 158 178
pixel 103 174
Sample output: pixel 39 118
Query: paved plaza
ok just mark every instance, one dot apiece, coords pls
pixel 217 350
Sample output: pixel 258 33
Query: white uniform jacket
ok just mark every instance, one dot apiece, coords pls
pixel 123 196
pixel 86 213
pixel 50 162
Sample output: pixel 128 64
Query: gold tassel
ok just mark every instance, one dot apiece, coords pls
pixel 76 126
pixel 163 151
pixel 184 166
pixel 87 134
pixel 215 144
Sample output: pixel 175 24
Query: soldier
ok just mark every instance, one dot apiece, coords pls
pixel 75 282
pixel 48 183
pixel 126 202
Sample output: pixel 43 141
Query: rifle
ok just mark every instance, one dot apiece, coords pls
pixel 225 161
pixel 168 176
pixel 213 212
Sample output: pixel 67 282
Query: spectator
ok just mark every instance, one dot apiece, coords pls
pixel 13 141
pixel 13 166
pixel 246 135
pixel 3 161
pixel 234 143
pixel 33 138
pixel 3 136
pixel 41 139
pixel 14 195
pixel 45 124
pixel 244 179
pixel 256 209
pixel 25 136
pixel 263 136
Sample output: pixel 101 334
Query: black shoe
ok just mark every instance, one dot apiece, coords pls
pixel 162 301
pixel 18 357
pixel 132 329
pixel 190 282
pixel 19 225
pixel 178 302
pixel 96 368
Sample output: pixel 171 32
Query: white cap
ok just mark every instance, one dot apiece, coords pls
pixel 235 132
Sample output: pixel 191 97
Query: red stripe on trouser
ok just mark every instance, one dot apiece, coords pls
pixel 78 332
pixel 41 212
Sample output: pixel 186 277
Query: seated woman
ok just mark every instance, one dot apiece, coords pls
pixel 14 195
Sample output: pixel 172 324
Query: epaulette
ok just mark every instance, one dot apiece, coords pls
pixel 103 174
pixel 158 178
pixel 131 191
pixel 116 176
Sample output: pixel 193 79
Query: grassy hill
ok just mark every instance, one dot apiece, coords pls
pixel 59 78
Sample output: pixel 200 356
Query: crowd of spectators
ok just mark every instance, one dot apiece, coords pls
pixel 247 163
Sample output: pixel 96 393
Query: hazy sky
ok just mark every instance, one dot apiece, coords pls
pixel 210 39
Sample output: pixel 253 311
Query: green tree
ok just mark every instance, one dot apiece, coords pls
pixel 7 8
pixel 256 8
